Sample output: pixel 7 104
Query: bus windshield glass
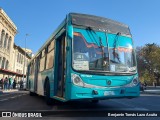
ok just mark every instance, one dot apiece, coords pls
pixel 92 56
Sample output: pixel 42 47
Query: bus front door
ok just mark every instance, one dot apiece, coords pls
pixel 61 66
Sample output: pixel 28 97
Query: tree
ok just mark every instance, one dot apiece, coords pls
pixel 148 58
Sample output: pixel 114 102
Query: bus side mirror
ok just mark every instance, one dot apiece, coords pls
pixel 67 48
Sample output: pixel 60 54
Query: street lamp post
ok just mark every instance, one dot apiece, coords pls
pixel 24 58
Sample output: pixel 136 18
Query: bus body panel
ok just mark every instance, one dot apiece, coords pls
pixel 31 83
pixel 42 76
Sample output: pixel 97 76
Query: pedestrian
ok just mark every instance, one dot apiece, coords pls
pixel 2 83
pixel 9 83
pixel 21 84
pixel 14 84
pixel 6 83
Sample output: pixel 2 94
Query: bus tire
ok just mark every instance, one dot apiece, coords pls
pixel 31 93
pixel 95 101
pixel 47 94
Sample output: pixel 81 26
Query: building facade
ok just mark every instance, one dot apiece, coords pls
pixel 13 60
pixel 29 52
pixel 21 61
pixel 8 30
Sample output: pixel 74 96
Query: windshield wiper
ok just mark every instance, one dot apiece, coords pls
pixel 115 44
pixel 91 30
pixel 100 44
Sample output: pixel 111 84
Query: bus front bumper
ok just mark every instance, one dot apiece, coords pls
pixel 107 93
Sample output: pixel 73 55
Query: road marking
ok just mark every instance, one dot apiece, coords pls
pixel 5 94
pixel 3 99
pixel 100 109
pixel 12 97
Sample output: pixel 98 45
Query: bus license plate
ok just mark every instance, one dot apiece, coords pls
pixel 106 93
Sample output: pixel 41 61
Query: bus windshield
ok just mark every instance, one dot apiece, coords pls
pixel 90 56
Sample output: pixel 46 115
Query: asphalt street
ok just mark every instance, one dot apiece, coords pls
pixel 22 101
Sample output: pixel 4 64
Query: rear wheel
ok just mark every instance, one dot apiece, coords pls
pixel 95 101
pixel 32 93
pixel 47 93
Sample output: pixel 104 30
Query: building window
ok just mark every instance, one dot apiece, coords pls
pixel 0 62
pixel 7 65
pixel 2 38
pixel 26 62
pixel 22 59
pixel 17 57
pixel 3 63
pixel 9 43
pixel 6 40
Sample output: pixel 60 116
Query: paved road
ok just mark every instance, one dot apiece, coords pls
pixel 21 101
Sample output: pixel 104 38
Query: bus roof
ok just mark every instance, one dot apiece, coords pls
pixel 99 23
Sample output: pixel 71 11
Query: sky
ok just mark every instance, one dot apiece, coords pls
pixel 39 18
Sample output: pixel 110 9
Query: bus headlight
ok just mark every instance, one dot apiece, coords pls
pixel 133 83
pixel 77 80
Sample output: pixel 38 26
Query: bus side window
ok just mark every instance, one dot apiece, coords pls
pixel 42 61
pixel 31 68
pixel 50 55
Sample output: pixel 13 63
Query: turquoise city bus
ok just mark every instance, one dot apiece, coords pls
pixel 86 58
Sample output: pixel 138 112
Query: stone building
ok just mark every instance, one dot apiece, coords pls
pixel 20 61
pixel 12 57
pixel 8 30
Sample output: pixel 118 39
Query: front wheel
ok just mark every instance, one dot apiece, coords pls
pixel 47 94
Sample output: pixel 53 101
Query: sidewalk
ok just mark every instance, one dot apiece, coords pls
pixel 152 90
pixel 8 91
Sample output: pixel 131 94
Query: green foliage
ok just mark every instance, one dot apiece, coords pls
pixel 148 59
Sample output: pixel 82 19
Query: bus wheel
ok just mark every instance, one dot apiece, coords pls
pixel 47 94
pixel 95 101
pixel 31 93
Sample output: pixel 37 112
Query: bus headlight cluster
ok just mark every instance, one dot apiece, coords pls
pixel 77 80
pixel 133 83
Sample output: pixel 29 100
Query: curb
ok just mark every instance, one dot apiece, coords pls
pixel 8 91
pixel 152 93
